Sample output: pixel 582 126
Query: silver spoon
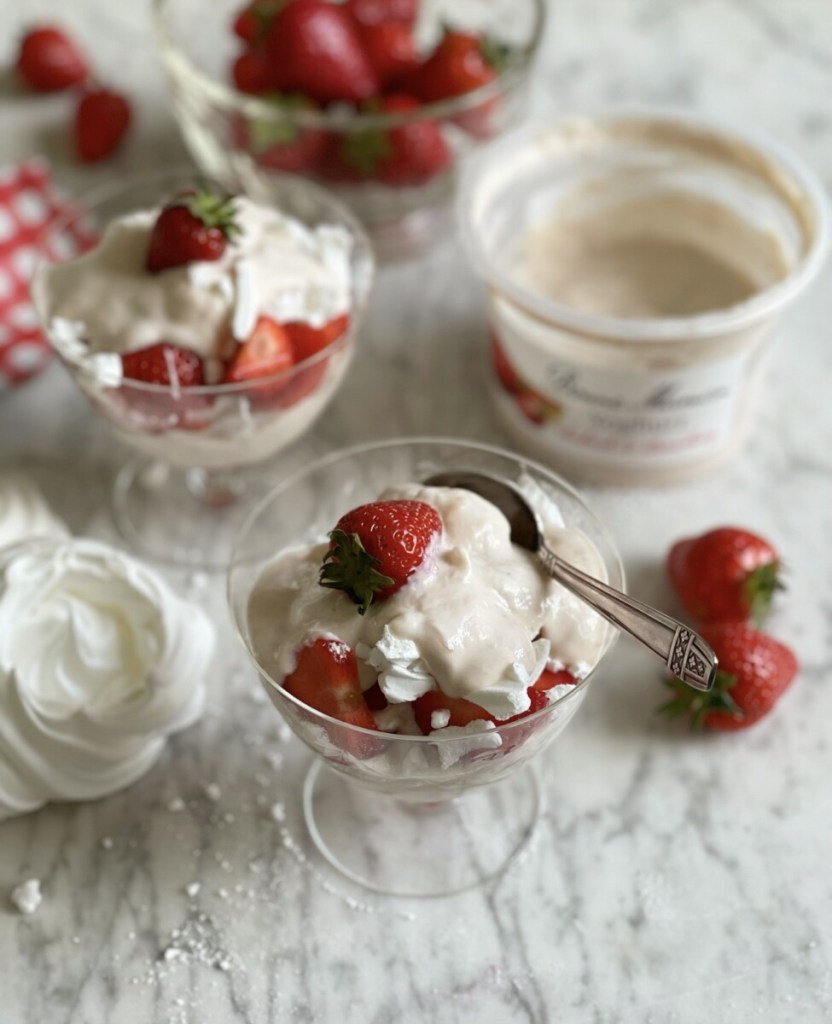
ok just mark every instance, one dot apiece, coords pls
pixel 685 654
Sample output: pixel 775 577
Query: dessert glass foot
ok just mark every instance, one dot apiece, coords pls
pixel 417 849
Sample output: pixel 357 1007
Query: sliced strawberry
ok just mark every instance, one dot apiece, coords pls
pixel 376 548
pixel 462 712
pixel 191 228
pixel 49 61
pixel 266 352
pixel 326 679
pixel 175 368
pixel 376 701
pixel 314 48
pixel 164 364
pixel 102 119
pixel 306 342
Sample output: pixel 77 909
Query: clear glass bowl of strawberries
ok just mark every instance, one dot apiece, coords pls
pixel 424 659
pixel 379 99
pixel 210 331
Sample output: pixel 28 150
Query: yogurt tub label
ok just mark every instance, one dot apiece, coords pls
pixel 640 417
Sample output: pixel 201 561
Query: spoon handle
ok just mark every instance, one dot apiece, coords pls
pixel 686 655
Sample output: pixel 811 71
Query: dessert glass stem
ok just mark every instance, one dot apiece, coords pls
pixel 215 488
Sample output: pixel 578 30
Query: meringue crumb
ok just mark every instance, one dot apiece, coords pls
pixel 439 719
pixel 27 896
pixel 106 843
pixel 212 791
pixel 177 804
pixel 192 889
pixel 278 812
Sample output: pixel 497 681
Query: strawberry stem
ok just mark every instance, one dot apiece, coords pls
pixel 348 566
pixel 696 704
pixel 760 588
pixel 213 210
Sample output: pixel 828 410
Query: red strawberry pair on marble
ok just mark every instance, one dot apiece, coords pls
pixel 726 578
pixel 48 60
pixel 198 227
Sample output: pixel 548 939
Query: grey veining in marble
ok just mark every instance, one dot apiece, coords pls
pixel 674 879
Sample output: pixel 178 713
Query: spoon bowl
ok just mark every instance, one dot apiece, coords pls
pixel 685 654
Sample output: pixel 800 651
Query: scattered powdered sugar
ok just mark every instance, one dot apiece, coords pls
pixel 176 805
pixel 212 791
pixel 27 896
pixel 278 812
pixel 106 843
pixel 192 889
pixel 197 941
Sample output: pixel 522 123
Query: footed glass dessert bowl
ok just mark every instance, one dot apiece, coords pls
pixel 389 141
pixel 207 357
pixel 426 707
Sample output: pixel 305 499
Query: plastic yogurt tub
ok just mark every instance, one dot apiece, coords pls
pixel 636 265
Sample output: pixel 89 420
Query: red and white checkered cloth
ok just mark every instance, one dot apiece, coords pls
pixel 28 203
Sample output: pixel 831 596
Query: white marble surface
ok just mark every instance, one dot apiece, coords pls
pixel 673 879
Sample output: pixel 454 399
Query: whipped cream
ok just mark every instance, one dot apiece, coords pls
pixel 99 662
pixel 478 620
pixel 24 513
pixel 106 302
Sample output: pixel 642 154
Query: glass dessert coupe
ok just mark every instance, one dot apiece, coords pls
pixel 200 448
pixel 402 814
pixel 236 137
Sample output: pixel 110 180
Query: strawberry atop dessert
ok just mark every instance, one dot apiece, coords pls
pixel 376 548
pixel 191 228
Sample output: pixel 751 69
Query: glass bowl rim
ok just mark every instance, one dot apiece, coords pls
pixel 83 203
pixel 369 446
pixel 764 303
pixel 338 120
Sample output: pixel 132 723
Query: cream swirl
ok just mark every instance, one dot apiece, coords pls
pixel 99 662
pixel 24 513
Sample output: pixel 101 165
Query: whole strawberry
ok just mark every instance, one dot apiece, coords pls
pixel 48 60
pixel 726 573
pixel 376 548
pixel 462 62
pixel 102 118
pixel 191 228
pixel 407 154
pixel 313 47
pixel 754 671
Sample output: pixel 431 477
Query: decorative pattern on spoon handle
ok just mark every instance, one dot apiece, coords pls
pixel 684 652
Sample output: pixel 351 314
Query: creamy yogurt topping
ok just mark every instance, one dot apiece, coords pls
pixel 107 302
pixel 99 662
pixel 479 619
pixel 24 513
